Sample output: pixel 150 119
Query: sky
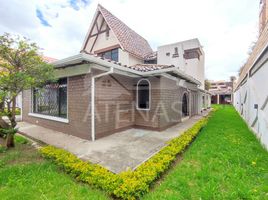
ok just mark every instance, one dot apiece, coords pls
pixel 226 29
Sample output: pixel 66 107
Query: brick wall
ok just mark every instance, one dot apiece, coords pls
pixel 149 118
pixel 115 106
pixel 78 109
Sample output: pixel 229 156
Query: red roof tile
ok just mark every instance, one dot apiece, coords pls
pixel 129 39
pixel 149 67
pixel 49 59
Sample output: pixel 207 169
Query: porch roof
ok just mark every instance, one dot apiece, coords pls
pixel 141 70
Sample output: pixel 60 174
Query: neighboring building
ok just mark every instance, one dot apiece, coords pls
pixel 250 93
pixel 188 56
pixel 222 92
pixel 117 82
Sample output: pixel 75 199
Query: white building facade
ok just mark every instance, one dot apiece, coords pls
pixel 251 92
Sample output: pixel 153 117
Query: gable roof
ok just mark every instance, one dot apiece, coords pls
pixel 129 40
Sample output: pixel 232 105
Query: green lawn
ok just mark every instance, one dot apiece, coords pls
pixel 226 161
pixel 26 175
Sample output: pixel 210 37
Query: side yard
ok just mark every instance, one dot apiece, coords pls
pixel 226 161
pixel 24 174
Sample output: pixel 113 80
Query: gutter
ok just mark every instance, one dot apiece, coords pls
pixel 93 131
pixel 92 59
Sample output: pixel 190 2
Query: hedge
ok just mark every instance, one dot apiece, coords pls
pixel 129 184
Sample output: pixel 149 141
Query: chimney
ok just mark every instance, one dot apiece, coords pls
pixel 263 17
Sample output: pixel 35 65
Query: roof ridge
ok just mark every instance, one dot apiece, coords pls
pixel 99 5
pixel 129 39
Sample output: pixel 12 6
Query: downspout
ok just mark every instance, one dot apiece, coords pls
pixel 93 100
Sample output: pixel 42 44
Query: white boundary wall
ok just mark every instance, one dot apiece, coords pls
pixel 251 101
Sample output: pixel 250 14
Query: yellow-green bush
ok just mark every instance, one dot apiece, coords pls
pixel 129 184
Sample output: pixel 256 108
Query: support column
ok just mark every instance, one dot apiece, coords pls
pixel 218 99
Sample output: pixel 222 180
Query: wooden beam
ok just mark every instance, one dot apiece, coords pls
pixel 94 43
pixel 98 33
pixel 91 30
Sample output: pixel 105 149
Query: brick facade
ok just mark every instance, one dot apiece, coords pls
pixel 78 96
pixel 115 106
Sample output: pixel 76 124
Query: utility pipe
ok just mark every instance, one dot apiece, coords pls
pixel 93 100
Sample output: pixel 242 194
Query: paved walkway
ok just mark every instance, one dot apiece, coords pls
pixel 117 152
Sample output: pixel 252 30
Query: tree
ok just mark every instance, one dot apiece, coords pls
pixel 207 84
pixel 21 68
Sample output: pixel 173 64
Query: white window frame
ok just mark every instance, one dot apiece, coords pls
pixel 137 95
pixel 48 117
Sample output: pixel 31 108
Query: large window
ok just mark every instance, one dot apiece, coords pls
pixel 51 99
pixel 143 94
pixel 112 55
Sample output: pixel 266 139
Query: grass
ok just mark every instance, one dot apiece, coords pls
pixel 24 174
pixel 226 161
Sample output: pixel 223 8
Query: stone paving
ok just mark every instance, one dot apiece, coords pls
pixel 117 152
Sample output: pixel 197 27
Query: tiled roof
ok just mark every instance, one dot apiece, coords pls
pixel 129 39
pixel 151 56
pixel 49 59
pixel 137 67
pixel 149 67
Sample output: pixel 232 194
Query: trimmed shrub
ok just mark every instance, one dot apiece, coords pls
pixel 129 184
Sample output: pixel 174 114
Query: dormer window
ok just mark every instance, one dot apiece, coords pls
pixel 111 55
pixel 176 52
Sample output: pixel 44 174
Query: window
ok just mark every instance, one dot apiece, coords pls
pixel 143 94
pixel 112 55
pixel 192 53
pixel 153 61
pixel 176 52
pixel 185 105
pixel 51 99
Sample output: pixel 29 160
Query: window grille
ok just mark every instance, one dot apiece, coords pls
pixel 51 99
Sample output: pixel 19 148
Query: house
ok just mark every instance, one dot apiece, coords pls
pixel 118 82
pixel 222 92
pixel 250 92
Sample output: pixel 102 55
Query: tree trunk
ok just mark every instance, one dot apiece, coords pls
pixel 9 129
pixel 13 113
pixel 10 140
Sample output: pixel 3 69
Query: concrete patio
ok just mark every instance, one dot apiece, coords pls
pixel 117 152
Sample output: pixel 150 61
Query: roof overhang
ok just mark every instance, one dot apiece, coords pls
pixel 98 63
pixel 250 69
